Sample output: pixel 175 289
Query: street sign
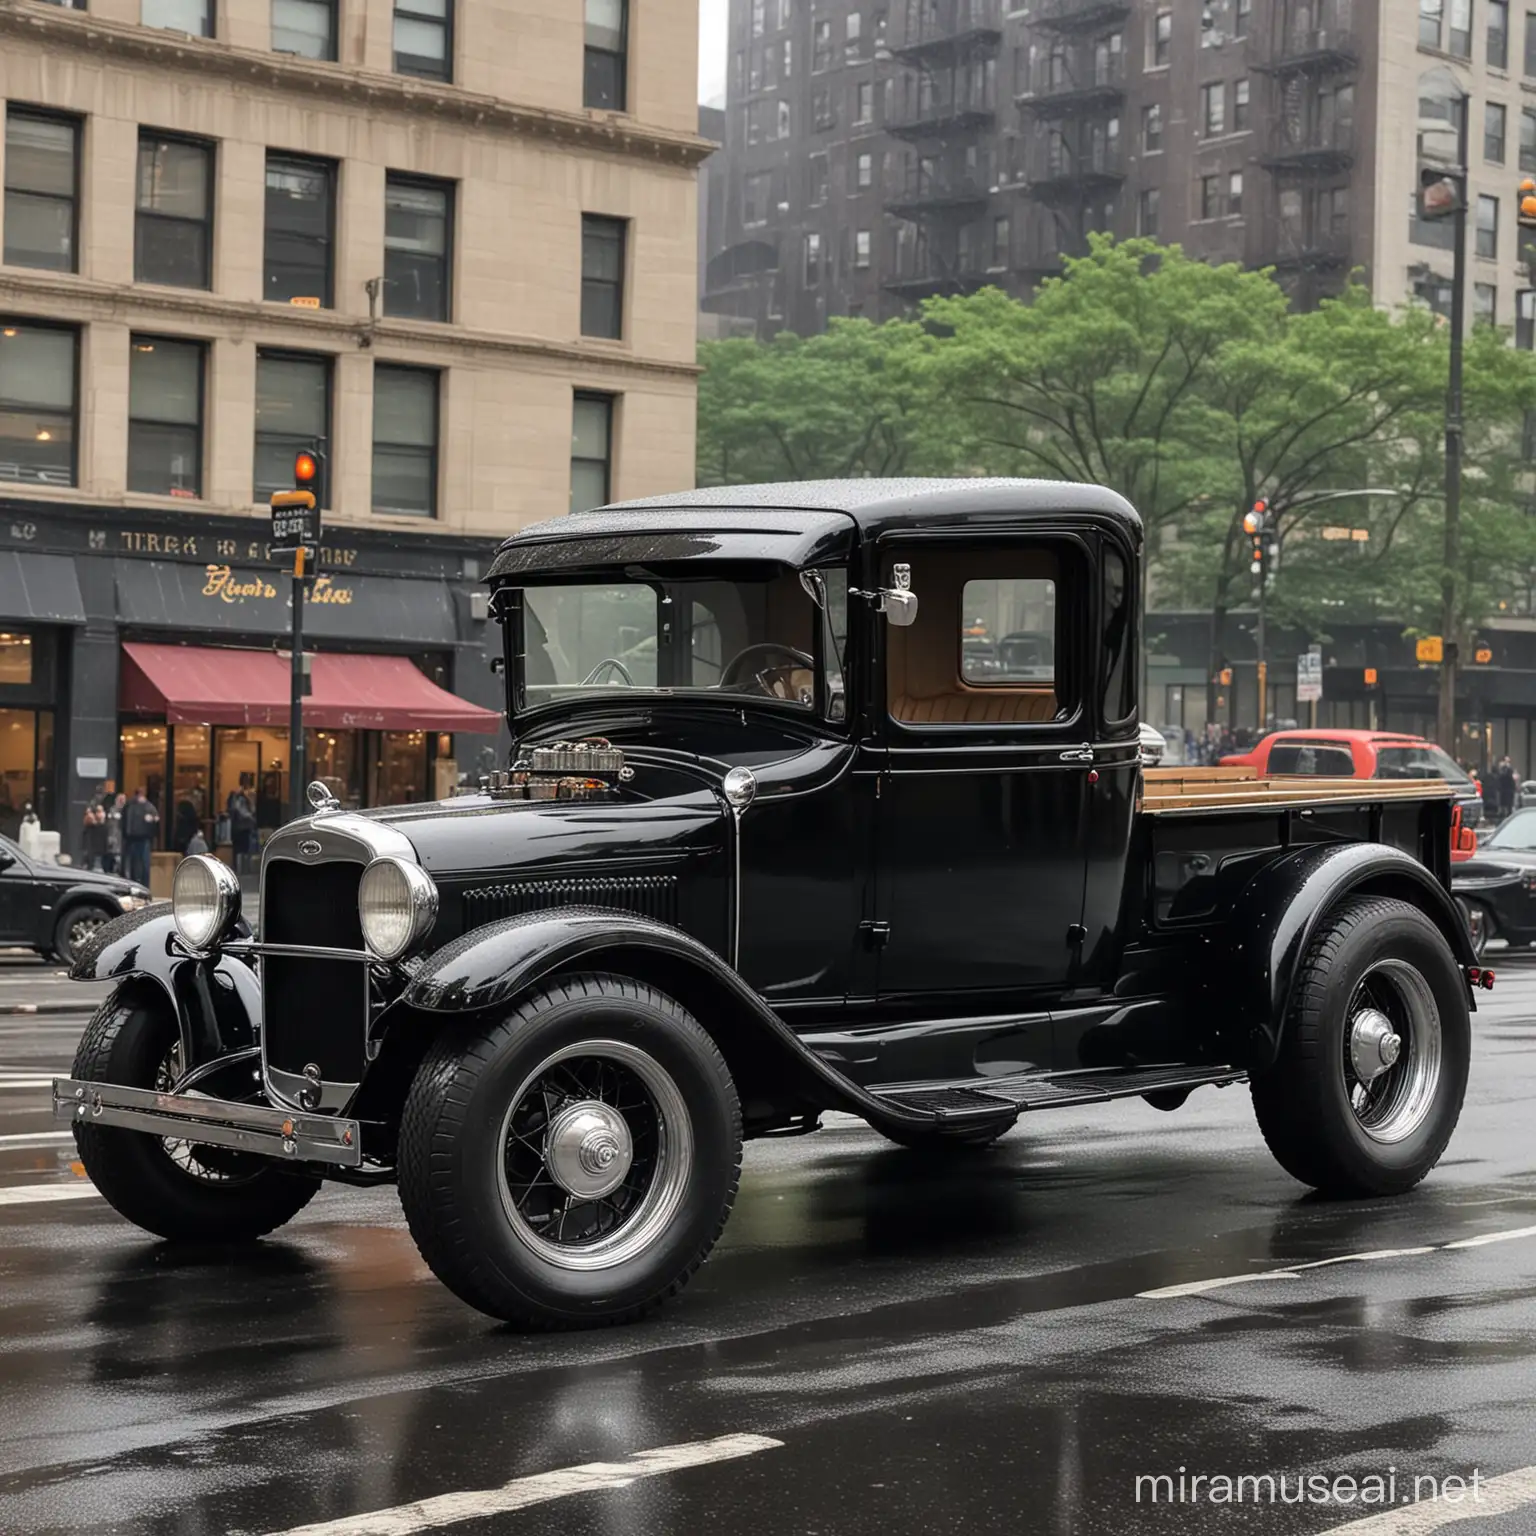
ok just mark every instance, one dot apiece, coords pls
pixel 295 522
pixel 1370 677
pixel 1430 650
pixel 1309 676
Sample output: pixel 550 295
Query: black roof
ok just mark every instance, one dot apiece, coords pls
pixel 794 523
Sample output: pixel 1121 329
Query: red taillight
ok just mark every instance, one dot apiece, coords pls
pixel 1463 839
pixel 1480 978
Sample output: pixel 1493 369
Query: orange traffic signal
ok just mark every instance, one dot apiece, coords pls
pixel 1370 677
pixel 306 468
pixel 1525 204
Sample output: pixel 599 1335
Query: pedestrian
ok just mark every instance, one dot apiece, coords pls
pixel 112 816
pixel 93 835
pixel 1509 787
pixel 197 843
pixel 140 819
pixel 186 823
pixel 242 824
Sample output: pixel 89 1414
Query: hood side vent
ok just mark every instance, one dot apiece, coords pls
pixel 653 896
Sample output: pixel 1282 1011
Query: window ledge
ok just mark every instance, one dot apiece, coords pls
pixel 615 133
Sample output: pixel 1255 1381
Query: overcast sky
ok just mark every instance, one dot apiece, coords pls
pixel 712 18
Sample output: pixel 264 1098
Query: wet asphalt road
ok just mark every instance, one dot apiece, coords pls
pixel 935 1345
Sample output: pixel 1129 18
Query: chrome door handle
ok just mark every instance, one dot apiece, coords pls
pixel 1077 755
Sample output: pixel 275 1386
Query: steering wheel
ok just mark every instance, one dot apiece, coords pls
pixel 608 664
pixel 746 660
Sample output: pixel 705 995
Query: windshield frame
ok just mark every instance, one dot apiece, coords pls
pixel 509 607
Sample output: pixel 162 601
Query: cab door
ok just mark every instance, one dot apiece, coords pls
pixel 988 755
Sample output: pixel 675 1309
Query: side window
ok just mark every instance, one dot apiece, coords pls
pixel 1119 639
pixel 1311 759
pixel 985 647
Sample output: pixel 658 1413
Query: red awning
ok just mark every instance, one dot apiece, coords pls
pixel 206 685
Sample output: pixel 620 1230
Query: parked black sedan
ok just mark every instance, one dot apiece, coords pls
pixel 1496 887
pixel 54 908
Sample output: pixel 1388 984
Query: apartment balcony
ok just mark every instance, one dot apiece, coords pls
pixel 937 196
pixel 1318 51
pixel 1320 251
pixel 948 32
pixel 938 121
pixel 1318 149
pixel 1062 173
pixel 1071 16
pixel 935 278
pixel 1063 87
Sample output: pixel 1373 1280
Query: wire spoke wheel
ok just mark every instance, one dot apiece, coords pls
pixel 594 1155
pixel 1392 1051
pixel 209 1165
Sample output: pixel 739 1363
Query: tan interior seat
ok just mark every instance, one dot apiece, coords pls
pixel 923 682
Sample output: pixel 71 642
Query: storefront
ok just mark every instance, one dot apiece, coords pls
pixel 151 650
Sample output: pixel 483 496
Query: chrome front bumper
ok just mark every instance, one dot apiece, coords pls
pixel 284 1135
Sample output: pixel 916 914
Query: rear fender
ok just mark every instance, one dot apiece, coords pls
pixel 1280 910
pixel 489 968
pixel 217 1001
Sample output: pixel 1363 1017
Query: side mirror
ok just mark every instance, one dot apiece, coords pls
pixel 6 859
pixel 898 602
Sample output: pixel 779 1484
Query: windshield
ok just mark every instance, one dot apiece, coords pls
pixel 1418 760
pixel 767 639
pixel 1518 832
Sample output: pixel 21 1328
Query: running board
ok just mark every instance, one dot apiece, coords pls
pixel 980 1100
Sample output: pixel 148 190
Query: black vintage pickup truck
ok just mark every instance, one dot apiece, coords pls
pixel 775 839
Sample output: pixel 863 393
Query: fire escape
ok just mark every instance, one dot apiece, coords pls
pixel 1073 109
pixel 1310 152
pixel 946 116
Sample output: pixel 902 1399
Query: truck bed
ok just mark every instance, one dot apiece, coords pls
pixel 1171 790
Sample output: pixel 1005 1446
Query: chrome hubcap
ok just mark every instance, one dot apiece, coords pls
pixel 589 1150
pixel 1373 1044
pixel 1392 1051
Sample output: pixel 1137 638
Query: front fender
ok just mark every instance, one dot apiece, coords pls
pixel 488 967
pixel 1280 910
pixel 217 1001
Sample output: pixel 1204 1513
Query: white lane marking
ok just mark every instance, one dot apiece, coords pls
pixel 41 1194
pixel 1496 1496
pixel 1294 1272
pixel 450 1508
pixel 35 1138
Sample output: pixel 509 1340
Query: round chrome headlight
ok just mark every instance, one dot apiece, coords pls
pixel 205 900
pixel 397 906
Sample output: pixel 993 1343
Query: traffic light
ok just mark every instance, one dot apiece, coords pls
pixel 309 473
pixel 1256 526
pixel 1525 205
pixel 1441 193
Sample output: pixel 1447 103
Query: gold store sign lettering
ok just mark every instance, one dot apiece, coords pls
pixel 230 587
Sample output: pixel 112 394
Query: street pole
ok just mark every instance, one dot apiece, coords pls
pixel 296 694
pixel 1446 722
pixel 1263 664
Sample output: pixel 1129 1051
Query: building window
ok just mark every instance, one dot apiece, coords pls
pixel 293 411
pixel 821 108
pixel 863 103
pixel 812 260
pixel 865 169
pixel 38 404
pixel 1152 128
pixel 1487 226
pixel 602 276
pixel 405 416
pixel 606 82
pixel 1146 213
pixel 821 47
pixel 1235 194
pixel 1439 233
pixel 194 17
pixel 818 188
pixel 759 11
pixel 1494 118
pixel 304 27
pixel 165 417
pixel 418 220
pixel 424 38
pixel 1528 138
pixel 1525 319
pixel 853 27
pixel 861 248
pixel 1213 109
pixel 1431 13
pixel 1460 35
pixel 591 452
pixel 757 190
pixel 1242 16
pixel 1240 106
pixel 1498 34
pixel 173 223
pixel 1210 197
pixel 786 13
pixel 1161 40
pixel 785 121
pixel 300 198
pixel 42 170
pixel 1485 304
pixel 789 58
pixel 755 72
pixel 1002 242
pixel 1530 45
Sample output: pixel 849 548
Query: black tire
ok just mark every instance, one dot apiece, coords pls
pixel 202 1194
pixel 458 1144
pixel 76 925
pixel 937 1142
pixel 1307 1102
pixel 1481 927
